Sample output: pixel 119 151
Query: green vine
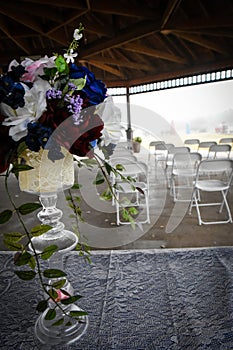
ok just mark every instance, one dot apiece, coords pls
pixel 31 258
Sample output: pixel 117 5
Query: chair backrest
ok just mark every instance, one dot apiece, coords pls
pixel 206 144
pixel 216 168
pixel 121 152
pixel 186 162
pixel 204 147
pixel 174 150
pixel 228 140
pixel 179 149
pixel 169 146
pixel 155 143
pixel 192 142
pixel 223 150
pixel 123 159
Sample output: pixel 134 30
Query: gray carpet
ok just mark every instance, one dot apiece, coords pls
pixel 136 300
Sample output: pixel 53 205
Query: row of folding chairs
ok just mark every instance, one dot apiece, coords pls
pixel 211 149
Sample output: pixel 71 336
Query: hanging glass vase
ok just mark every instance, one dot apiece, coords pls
pixel 47 179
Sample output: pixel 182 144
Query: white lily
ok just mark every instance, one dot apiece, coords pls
pixel 111 116
pixel 69 56
pixel 35 105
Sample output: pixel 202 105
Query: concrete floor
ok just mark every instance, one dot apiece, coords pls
pixel 171 226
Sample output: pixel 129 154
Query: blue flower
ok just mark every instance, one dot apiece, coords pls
pixel 37 136
pixel 94 89
pixel 11 92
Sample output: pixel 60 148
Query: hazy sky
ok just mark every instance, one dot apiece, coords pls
pixel 186 103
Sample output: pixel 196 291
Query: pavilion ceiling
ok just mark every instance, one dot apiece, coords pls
pixel 125 42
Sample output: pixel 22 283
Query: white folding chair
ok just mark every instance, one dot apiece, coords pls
pixel 213 176
pixel 169 161
pixel 192 143
pixel 135 194
pixel 128 159
pixel 219 151
pixel 160 155
pixel 152 149
pixel 204 147
pixel 183 173
pixel 226 140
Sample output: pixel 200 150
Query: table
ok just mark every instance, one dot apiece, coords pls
pixel 138 299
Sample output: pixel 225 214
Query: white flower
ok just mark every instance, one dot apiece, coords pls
pixel 35 105
pixel 69 56
pixel 111 116
pixel 77 36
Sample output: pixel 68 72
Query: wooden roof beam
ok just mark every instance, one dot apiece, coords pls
pixel 120 63
pixel 124 36
pixel 110 7
pixel 28 22
pixel 154 53
pixel 76 4
pixel 64 23
pixel 19 42
pixel 169 12
pixel 198 40
pixel 104 67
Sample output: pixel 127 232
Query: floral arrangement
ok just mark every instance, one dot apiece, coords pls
pixel 38 98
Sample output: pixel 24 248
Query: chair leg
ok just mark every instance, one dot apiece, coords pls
pixel 224 194
pixel 147 208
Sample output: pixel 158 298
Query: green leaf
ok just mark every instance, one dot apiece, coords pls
pixel 5 216
pixel 89 162
pixel 71 300
pixel 65 292
pixel 26 275
pixel 59 284
pixel 76 186
pixel 50 315
pixel 58 322
pixel 13 236
pixel 140 190
pixel 133 211
pixel 28 208
pixel 21 148
pixel 61 64
pixel 32 262
pixel 108 168
pixel 78 313
pixel 22 259
pixel 48 252
pixel 54 273
pixel 119 167
pixel 79 83
pixel 12 245
pixel 40 230
pixel 42 306
pixel 20 167
pixel 99 179
pixel 53 294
